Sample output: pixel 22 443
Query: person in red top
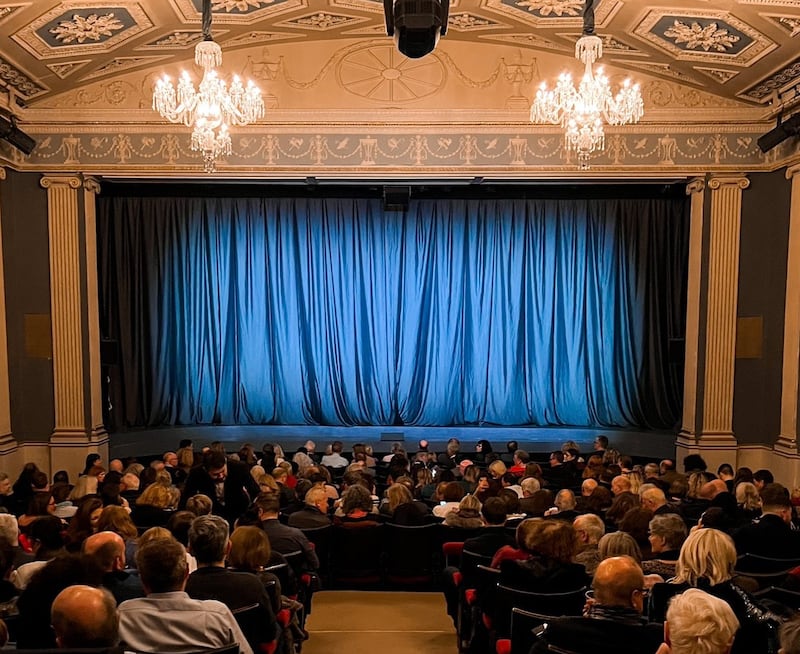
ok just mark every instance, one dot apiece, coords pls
pixel 521 458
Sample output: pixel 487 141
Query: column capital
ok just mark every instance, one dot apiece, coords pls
pixel 51 181
pixel 91 184
pixel 791 171
pixel 696 185
pixel 733 180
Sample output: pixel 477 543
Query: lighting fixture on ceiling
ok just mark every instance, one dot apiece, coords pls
pixel 212 109
pixel 581 111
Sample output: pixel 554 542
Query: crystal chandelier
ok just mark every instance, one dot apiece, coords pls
pixel 213 108
pixel 581 111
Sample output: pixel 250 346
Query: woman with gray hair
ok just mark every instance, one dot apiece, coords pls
pixel 666 534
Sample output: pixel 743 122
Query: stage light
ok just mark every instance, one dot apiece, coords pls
pixel 416 25
pixel 773 138
pixel 15 136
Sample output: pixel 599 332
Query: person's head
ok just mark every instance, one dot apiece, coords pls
pixel 600 442
pixel 494 511
pixel 93 460
pixel 267 505
pixel 199 504
pixel 653 498
pixel 9 530
pixel 155 533
pixel 699 623
pixel 521 457
pixel 118 520
pixel 162 565
pixel 619 581
pixel 706 554
pixel 453 492
pixel 588 486
pixel 159 495
pixel 208 539
pixel 216 465
pixel 529 486
pixel 470 504
pixel 497 469
pixel 85 617
pixel 356 498
pixel 725 471
pixel 667 532
pixel 398 494
pixel 775 499
pixel 45 536
pixel 483 447
pixel 107 548
pixel 619 543
pixel 179 524
pixel 317 497
pixel 5 484
pixel 762 477
pixel 747 496
pixel 250 549
pixel 551 539
pixel 556 458
pixel 41 504
pixel 790 636
pixel 694 463
pixel 565 500
pixel 620 484
pixel 589 529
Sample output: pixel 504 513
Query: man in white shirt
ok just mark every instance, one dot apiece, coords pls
pixel 168 620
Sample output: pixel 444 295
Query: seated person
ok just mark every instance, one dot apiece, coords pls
pixel 314 512
pixel 85 617
pixel 666 535
pixel 168 620
pixel 698 622
pixel 613 623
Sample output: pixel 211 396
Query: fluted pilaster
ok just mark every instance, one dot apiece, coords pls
pixel 65 303
pixel 696 189
pixel 723 286
pixel 787 439
pixel 5 404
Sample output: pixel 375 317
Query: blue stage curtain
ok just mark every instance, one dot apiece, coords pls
pixel 335 312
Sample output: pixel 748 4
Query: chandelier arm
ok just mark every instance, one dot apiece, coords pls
pixel 588 18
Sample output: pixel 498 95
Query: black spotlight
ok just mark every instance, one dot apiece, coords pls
pixel 416 25
pixel 15 136
pixel 773 138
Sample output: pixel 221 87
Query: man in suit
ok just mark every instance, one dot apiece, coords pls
pixel 315 511
pixel 771 534
pixel 229 484
pixel 283 538
pixel 108 549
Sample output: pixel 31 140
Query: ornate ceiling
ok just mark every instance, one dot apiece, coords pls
pixel 78 70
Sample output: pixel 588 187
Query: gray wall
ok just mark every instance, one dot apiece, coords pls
pixel 26 265
pixel 762 292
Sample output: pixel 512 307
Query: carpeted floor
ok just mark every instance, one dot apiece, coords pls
pixel 352 622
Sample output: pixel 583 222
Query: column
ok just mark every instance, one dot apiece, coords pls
pixel 77 430
pixel 7 442
pixel 787 445
pixel 708 394
pixel 696 189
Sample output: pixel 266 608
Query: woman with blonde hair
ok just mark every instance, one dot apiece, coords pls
pixel 619 543
pixel 156 504
pixel 467 515
pixel 748 503
pixel 707 561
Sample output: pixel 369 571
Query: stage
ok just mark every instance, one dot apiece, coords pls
pixel 146 443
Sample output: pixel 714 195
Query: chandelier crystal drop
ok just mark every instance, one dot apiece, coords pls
pixel 582 111
pixel 213 108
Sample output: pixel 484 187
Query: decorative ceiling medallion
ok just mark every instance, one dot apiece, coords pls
pixel 240 12
pixel 380 73
pixel 174 41
pixel 528 39
pixel 547 13
pixel 84 28
pixel 255 38
pixel 790 24
pixel 717 74
pixel 466 22
pixel 704 36
pixel 23 84
pixel 322 21
pixel 776 82
pixel 611 45
pixel 65 68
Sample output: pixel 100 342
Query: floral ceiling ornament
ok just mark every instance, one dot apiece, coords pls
pixel 213 108
pixel 238 5
pixel 710 37
pixel 582 111
pixel 86 28
pixel 553 7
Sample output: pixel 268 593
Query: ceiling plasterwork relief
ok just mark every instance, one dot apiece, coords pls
pixel 780 80
pixel 120 64
pixel 240 12
pixel 176 40
pixel 528 39
pixel 21 82
pixel 6 11
pixel 321 21
pixel 706 36
pixel 260 37
pixel 65 68
pixel 658 94
pixel 790 24
pixel 721 75
pixel 552 13
pixel 467 22
pixel 83 28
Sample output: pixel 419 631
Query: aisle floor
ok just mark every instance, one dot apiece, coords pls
pixel 347 622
